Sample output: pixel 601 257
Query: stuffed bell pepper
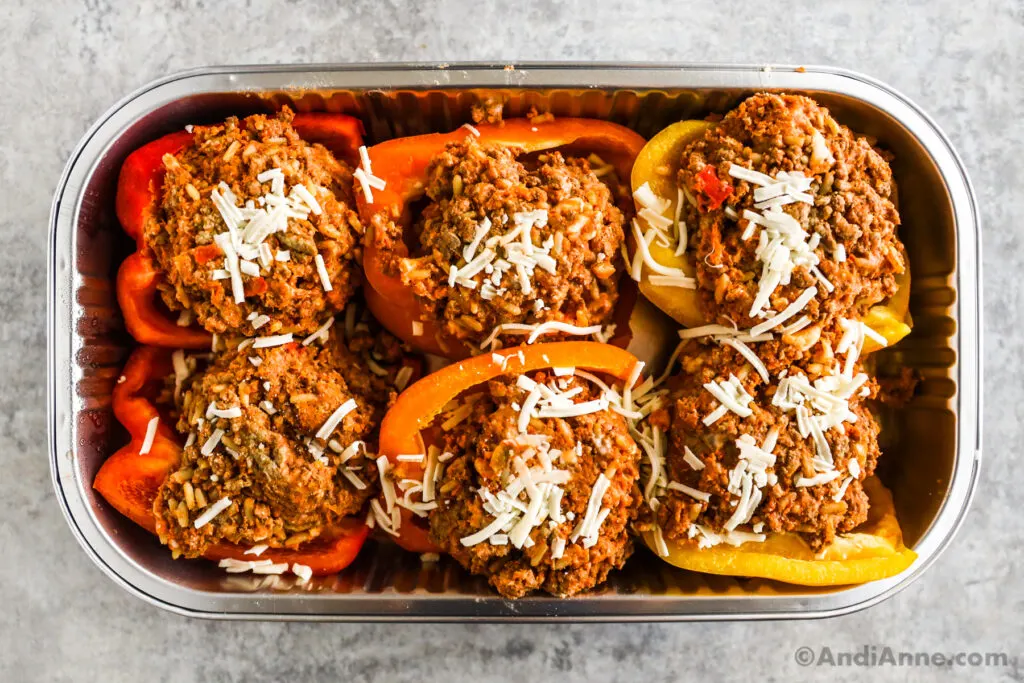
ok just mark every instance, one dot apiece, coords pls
pixel 761 466
pixel 259 457
pixel 519 464
pixel 498 234
pixel 775 218
pixel 244 227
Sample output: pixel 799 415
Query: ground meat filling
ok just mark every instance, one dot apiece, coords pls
pixel 232 164
pixel 271 452
pixel 507 239
pixel 487 446
pixel 897 385
pixel 489 111
pixel 789 503
pixel 852 212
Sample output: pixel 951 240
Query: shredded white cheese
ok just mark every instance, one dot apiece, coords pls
pixel 259 321
pixel 696 494
pixel 302 571
pixel 321 269
pixel 821 478
pixel 335 419
pixel 750 476
pixel 147 441
pixel 692 460
pixel 211 512
pixel 364 183
pixel 223 240
pixel 387 486
pixel 321 333
pixel 353 478
pixel 364 160
pixel 751 357
pixel 233 566
pixel 731 394
pixel 274 340
pixel 659 541
pixel 303 193
pixel 249 268
pixel 227 413
pixel 402 377
pixel 589 527
pixel 791 310
pixel 212 442
pixel 536 331
pixel 682 282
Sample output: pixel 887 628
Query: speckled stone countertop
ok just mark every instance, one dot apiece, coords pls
pixel 65 62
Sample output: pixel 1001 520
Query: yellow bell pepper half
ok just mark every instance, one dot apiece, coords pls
pixel 658 166
pixel 873 551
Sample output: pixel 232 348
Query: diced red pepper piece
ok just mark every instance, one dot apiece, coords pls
pixel 714 191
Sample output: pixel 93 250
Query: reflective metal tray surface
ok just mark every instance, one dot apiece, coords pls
pixel 932 447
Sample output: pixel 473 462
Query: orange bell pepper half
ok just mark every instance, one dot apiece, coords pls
pixel 139 188
pixel 402 165
pixel 418 406
pixel 130 480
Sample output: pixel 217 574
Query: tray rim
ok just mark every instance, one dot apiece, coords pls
pixel 527 75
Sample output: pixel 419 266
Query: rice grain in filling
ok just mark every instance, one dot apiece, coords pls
pixel 486 445
pixel 480 197
pixel 286 486
pixel 291 293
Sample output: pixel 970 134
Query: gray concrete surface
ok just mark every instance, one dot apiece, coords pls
pixel 64 62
